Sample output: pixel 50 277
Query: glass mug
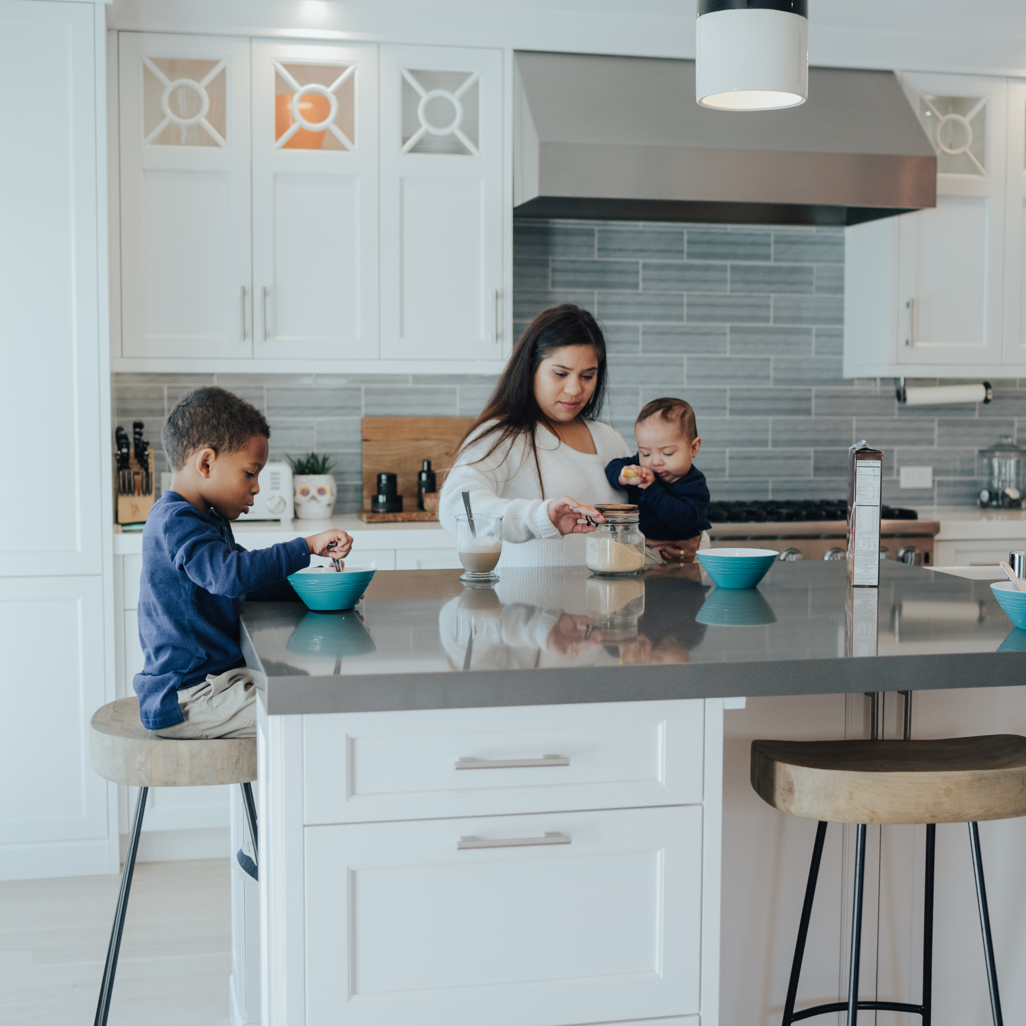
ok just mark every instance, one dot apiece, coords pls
pixel 479 550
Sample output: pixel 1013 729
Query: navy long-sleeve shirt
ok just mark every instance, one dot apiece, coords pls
pixel 194 581
pixel 668 512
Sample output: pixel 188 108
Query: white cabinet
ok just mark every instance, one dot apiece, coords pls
pixel 441 202
pixel 564 918
pixel 186 277
pixel 315 200
pixel 427 559
pixel 1015 226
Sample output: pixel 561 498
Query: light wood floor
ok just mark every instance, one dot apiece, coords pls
pixel 175 952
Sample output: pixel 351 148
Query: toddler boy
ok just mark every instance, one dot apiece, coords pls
pixel 670 492
pixel 195 578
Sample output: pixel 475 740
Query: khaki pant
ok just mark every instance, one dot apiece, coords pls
pixel 222 706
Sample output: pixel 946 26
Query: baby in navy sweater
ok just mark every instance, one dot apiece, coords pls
pixel 670 492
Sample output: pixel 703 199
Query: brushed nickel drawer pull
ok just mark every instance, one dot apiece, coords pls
pixel 470 843
pixel 545 760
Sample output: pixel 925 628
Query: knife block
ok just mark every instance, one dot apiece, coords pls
pixel 134 509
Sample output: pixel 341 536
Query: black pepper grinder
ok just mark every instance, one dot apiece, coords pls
pixel 386 500
pixel 425 482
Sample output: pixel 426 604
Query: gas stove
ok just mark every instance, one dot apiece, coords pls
pixel 778 510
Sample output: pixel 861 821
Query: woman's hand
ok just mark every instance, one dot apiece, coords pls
pixel 568 516
pixel 680 551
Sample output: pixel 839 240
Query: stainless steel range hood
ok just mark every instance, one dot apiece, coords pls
pixel 622 137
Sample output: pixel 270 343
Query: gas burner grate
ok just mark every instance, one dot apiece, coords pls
pixel 777 511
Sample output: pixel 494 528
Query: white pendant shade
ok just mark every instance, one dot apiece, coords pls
pixel 752 59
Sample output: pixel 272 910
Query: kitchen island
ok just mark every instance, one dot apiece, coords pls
pixel 504 804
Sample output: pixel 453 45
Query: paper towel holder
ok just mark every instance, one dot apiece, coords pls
pixel 933 395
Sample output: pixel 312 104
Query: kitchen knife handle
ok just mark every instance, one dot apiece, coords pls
pixel 243 313
pixel 470 843
pixel 263 296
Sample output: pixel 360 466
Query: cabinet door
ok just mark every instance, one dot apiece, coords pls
pixel 50 394
pixel 950 264
pixel 1015 226
pixel 186 281
pixel 577 917
pixel 427 559
pixel 441 203
pixel 315 201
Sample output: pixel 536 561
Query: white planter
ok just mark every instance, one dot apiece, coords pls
pixel 314 496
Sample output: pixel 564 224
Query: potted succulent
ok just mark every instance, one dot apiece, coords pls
pixel 314 488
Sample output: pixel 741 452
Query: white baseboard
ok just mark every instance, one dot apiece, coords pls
pixel 57 858
pixel 179 845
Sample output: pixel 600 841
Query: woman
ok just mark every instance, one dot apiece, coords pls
pixel 536 456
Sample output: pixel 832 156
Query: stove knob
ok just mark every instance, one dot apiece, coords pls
pixel 834 553
pixel 790 555
pixel 910 555
pixel 276 504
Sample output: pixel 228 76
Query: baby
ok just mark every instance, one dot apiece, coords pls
pixel 669 490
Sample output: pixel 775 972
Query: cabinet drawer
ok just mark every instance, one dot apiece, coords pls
pixel 379 766
pixel 132 569
pixel 585 917
pixel 427 559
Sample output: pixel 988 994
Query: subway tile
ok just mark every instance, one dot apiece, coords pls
pixel 253 395
pixel 728 308
pixel 137 402
pixel 802 432
pixel 706 402
pixel 854 402
pixel 647 370
pixel 814 370
pixel 768 463
pixel 884 433
pixel 596 274
pixel 727 491
pixel 736 433
pixel 233 381
pixel 472 399
pixel 313 402
pixel 720 244
pixel 411 402
pixel 945 462
pixel 893 494
pixel 528 303
pixel 978 433
pixel 622 338
pixel 293 436
pixel 553 240
pixel 349 498
pixel 808 310
pixel 808 247
pixel 769 340
pixel 338 380
pixel 623 401
pixel 345 466
pixel 958 493
pixel 712 462
pixel 684 338
pixel 829 341
pixel 138 378
pixel 768 402
pixel 829 462
pixel 774 278
pixel 642 243
pixel 449 379
pixel 640 306
pixel 337 434
pixel 830 278
pixel 530 273
pixel 960 411
pixel 683 277
pixel 813 488
pixel 1006 403
pixel 728 371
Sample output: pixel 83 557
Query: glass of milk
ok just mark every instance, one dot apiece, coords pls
pixel 479 549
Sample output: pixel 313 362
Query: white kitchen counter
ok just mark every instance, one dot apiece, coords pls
pixel 960 523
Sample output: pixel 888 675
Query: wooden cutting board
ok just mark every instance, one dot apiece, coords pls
pixel 398 444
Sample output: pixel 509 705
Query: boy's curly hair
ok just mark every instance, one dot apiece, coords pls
pixel 210 417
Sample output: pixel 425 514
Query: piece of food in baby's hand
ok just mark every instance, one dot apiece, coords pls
pixel 629 473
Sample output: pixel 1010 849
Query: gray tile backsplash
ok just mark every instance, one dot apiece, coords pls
pixel 743 322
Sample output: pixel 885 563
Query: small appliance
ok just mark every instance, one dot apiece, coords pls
pixel 274 500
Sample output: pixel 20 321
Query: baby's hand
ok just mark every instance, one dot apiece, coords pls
pixel 639 477
pixel 336 544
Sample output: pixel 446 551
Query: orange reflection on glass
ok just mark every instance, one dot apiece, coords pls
pixel 315 109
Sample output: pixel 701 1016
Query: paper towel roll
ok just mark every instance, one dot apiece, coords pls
pixel 939 394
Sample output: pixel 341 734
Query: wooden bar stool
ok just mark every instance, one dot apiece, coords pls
pixel 121 749
pixel 953 780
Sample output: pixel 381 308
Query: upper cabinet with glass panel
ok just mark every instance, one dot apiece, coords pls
pixel 314 106
pixel 440 112
pixel 957 127
pixel 184 101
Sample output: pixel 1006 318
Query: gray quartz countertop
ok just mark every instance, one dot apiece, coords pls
pixel 420 640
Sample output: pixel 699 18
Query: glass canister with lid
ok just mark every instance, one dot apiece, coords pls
pixel 617 547
pixel 1001 470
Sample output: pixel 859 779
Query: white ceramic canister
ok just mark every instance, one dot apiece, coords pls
pixel 314 496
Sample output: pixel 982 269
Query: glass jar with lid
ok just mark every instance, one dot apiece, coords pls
pixel 617 547
pixel 1001 470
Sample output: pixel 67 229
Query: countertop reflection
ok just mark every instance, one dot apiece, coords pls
pixel 420 639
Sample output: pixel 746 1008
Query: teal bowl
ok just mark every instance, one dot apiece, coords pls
pixel 728 607
pixel 331 592
pixel 331 637
pixel 1012 601
pixel 737 568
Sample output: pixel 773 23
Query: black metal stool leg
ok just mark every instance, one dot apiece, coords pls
pixel 988 942
pixel 931 849
pixel 856 925
pixel 251 818
pixel 803 926
pixel 111 966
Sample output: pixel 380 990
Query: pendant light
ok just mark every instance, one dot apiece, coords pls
pixel 752 54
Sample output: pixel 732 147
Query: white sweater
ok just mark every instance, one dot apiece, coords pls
pixel 509 487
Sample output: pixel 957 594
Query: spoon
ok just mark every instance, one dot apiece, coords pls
pixel 1010 574
pixel 336 563
pixel 470 516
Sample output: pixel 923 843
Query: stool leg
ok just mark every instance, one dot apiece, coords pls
pixel 856 925
pixel 803 925
pixel 251 820
pixel 988 942
pixel 111 966
pixel 931 849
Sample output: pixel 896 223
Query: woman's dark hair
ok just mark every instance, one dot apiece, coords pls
pixel 512 405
